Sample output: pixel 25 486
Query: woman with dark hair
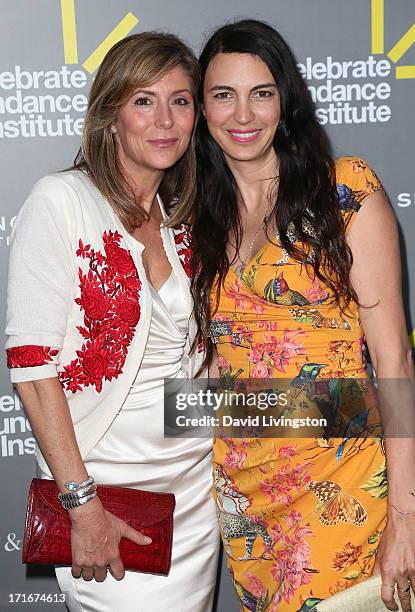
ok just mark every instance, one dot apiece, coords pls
pixel 108 281
pixel 290 279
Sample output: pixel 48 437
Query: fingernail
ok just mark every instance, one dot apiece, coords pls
pixel 147 540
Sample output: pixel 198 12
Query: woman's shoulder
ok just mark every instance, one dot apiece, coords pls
pixel 55 200
pixel 62 193
pixel 356 181
pixel 66 183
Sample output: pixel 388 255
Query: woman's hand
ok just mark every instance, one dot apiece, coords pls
pixel 95 539
pixel 396 560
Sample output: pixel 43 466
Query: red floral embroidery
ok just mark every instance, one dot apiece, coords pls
pixel 183 241
pixel 109 300
pixel 29 356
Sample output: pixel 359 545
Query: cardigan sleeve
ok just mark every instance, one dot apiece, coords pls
pixel 40 281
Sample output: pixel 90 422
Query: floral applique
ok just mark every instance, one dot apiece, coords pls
pixel 29 356
pixel 183 241
pixel 109 299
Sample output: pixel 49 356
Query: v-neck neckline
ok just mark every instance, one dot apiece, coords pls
pixel 255 256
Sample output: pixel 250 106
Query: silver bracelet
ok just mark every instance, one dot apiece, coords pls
pixel 75 503
pixel 74 486
pixel 75 495
pixel 78 493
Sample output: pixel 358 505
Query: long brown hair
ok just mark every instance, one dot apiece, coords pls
pixel 306 204
pixel 136 61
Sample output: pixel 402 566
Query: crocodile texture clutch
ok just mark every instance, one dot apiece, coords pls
pixel 48 526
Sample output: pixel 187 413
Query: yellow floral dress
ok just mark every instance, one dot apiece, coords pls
pixel 301 518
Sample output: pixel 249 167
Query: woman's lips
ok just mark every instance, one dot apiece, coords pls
pixel 244 135
pixel 164 143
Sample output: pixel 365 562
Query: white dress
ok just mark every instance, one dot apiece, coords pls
pixel 134 453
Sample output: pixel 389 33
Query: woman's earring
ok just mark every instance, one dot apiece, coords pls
pixel 113 129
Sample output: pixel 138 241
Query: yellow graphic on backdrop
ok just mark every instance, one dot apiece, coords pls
pixel 399 49
pixel 378 27
pixel 70 45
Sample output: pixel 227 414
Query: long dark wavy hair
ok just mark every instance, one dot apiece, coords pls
pixel 306 198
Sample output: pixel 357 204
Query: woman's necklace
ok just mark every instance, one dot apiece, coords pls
pixel 262 225
pixel 291 235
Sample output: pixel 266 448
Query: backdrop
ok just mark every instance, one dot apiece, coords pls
pixel 358 58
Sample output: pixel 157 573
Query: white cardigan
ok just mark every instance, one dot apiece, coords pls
pixel 79 303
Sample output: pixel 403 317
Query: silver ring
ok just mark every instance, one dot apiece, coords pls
pixel 391 586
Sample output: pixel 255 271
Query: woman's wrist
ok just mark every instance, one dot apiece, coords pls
pixel 78 493
pixel 88 514
pixel 401 502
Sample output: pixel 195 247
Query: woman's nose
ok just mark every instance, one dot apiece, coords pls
pixel 243 112
pixel 164 116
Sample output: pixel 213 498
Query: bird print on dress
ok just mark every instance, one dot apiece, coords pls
pixel 309 604
pixel 302 386
pixel 249 600
pixel 302 338
pixel 354 427
pixel 308 373
pixel 277 291
pixel 324 393
pixel 232 504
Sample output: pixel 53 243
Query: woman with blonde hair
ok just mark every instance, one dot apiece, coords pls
pixel 110 318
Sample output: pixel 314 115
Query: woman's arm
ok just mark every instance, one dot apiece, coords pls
pixel 95 533
pixel 376 277
pixel 41 266
pixel 48 412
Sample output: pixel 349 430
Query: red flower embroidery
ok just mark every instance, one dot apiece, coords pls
pixel 29 356
pixel 183 241
pixel 94 302
pixel 118 258
pixel 109 300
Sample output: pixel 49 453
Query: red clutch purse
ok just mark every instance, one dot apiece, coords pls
pixel 48 526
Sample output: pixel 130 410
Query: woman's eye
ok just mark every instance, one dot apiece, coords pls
pixel 263 94
pixel 142 101
pixel 181 101
pixel 222 95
